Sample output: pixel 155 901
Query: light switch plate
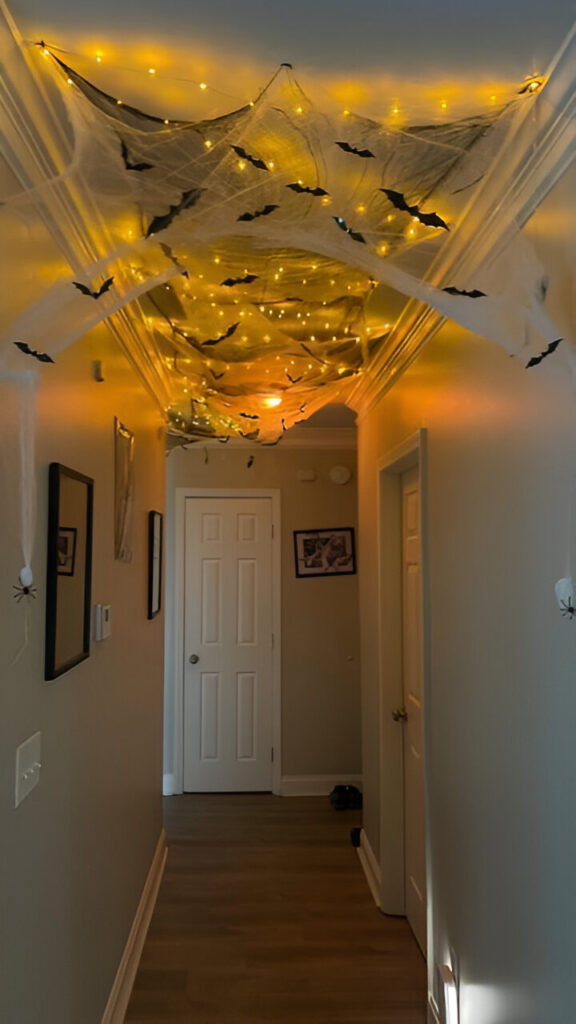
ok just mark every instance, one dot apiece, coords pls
pixel 28 766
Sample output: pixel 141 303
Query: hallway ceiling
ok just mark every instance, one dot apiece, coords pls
pixel 321 282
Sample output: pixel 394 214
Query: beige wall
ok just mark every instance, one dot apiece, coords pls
pixel 502 701
pixel 320 663
pixel 75 854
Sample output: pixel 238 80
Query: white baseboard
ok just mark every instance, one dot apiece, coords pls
pixel 121 989
pixel 432 1014
pixel 316 785
pixel 168 788
pixel 370 867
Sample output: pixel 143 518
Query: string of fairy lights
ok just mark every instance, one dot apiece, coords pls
pixel 396 112
pixel 295 350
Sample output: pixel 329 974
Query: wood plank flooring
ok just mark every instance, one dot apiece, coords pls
pixel 264 917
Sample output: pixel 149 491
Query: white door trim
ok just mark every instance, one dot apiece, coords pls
pixel 181 494
pixel 412 452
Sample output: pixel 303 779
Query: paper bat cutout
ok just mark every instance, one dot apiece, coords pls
pixel 312 356
pixel 284 427
pixel 188 199
pixel 293 380
pixel 365 153
pixel 247 416
pixel 231 281
pixel 251 436
pixel 474 294
pixel 297 187
pixel 217 376
pixel 42 357
pixel 129 165
pixel 254 160
pixel 88 291
pixel 344 227
pixel 227 334
pixel 250 462
pixel 269 208
pixel 431 220
pixel 166 249
pixel 548 352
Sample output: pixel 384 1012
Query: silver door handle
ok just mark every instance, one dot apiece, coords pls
pixel 193 659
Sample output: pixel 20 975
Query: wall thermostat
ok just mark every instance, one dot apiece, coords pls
pixel 340 474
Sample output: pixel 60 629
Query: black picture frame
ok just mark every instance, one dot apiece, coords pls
pixel 68 585
pixel 155 537
pixel 66 550
pixel 327 552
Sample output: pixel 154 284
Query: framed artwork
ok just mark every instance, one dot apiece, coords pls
pixel 69 569
pixel 123 491
pixel 66 550
pixel 155 524
pixel 327 552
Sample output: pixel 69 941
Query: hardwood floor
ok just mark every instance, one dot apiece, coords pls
pixel 264 917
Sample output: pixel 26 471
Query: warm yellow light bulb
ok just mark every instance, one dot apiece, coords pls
pixel 203 85
pixel 208 143
pixel 151 71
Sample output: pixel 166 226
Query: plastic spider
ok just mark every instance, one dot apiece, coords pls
pixel 568 609
pixel 23 592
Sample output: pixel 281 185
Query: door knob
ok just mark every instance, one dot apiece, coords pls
pixel 193 659
pixel 400 715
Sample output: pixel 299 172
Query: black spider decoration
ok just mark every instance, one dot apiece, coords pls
pixel 22 592
pixel 567 608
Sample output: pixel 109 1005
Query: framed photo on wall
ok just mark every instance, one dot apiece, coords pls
pixel 327 552
pixel 155 529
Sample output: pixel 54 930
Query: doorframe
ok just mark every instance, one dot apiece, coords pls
pixel 409 454
pixel 181 496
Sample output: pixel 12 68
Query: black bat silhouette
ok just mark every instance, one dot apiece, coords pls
pixel 129 165
pixel 88 291
pixel 254 160
pixel 284 427
pixel 312 356
pixel 231 281
pixel 251 436
pixel 250 462
pixel 166 249
pixel 344 227
pixel 431 220
pixel 247 416
pixel 297 187
pixel 548 352
pixel 188 199
pixel 352 149
pixel 269 208
pixel 293 380
pixel 474 294
pixel 227 334
pixel 217 376
pixel 42 357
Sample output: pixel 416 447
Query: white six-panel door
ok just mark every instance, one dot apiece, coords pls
pixel 228 629
pixel 414 774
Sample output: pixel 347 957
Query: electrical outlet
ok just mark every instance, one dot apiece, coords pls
pixel 28 765
pixel 102 621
